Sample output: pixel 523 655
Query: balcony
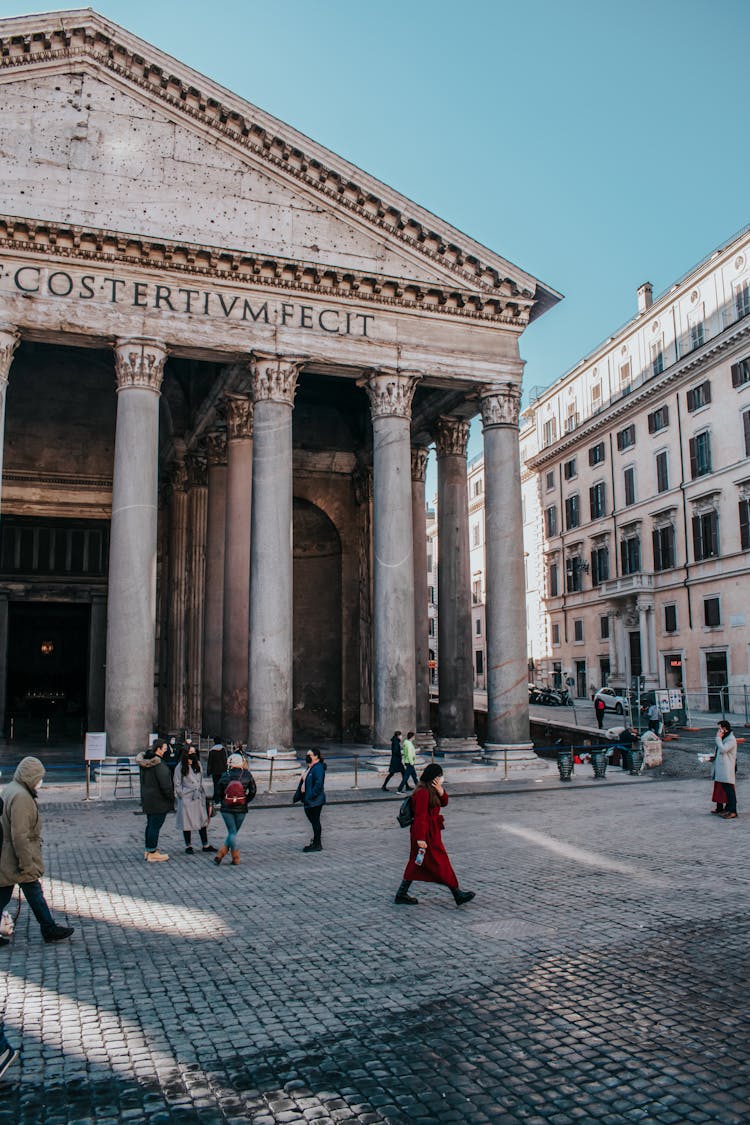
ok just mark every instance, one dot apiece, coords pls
pixel 627 585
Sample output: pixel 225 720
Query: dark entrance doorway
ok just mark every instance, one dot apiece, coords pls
pixel 716 680
pixel 635 659
pixel 48 645
pixel 317 682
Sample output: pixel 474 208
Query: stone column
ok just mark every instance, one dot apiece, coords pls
pixel 234 667
pixel 177 594
pixel 394 693
pixel 424 738
pixel 213 608
pixel 507 670
pixel 129 707
pixel 196 588
pixel 645 614
pixel 8 343
pixel 274 381
pixel 455 659
pixel 612 645
pixel 4 607
pixel 97 657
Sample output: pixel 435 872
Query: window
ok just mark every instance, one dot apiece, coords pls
pixel 550 480
pixel 596 397
pixel 658 420
pixel 574 574
pixel 598 500
pixel 479 655
pixel 476 591
pixel 431 594
pixel 550 431
pixel 478 487
pixel 599 565
pixel 662 471
pixel 670 618
pixel 711 612
pixel 625 374
pixel 626 438
pixel 550 520
pixel 569 469
pixel 698 396
pixel 630 555
pixel 552 581
pixel 578 630
pixel 431 626
pixel 705 536
pixel 555 634
pixel 746 430
pixel 742 299
pixel 697 334
pixel 478 627
pixel 572 511
pixel 657 359
pixel 741 372
pixel 745 525
pixel 572 417
pixel 700 454
pixel 664 548
pixel 475 535
pixel 596 454
pixel 629 480
pixel 604 627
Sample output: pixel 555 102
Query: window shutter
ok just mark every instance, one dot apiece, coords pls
pixel 693 459
pixel 707 391
pixel 744 525
pixel 697 539
pixel 657 550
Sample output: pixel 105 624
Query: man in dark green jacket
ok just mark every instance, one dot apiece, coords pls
pixel 157 798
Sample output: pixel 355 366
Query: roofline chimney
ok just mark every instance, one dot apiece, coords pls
pixel 645 296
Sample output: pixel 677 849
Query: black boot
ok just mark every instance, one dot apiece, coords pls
pixel 460 897
pixel 403 897
pixel 57 933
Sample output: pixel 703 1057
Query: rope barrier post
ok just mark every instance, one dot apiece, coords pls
pixel 12 727
pixel 356 771
pixel 88 780
pixel 270 777
pixel 46 721
pixel 505 764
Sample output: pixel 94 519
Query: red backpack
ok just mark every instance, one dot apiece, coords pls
pixel 235 797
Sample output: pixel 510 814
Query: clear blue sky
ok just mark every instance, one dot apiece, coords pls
pixel 596 144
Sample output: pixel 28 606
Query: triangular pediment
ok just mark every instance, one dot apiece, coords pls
pixel 103 130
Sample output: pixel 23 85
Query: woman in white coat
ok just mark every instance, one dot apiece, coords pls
pixel 192 811
pixel 725 760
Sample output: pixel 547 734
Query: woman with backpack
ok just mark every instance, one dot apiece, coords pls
pixel 236 790
pixel 192 810
pixel 428 860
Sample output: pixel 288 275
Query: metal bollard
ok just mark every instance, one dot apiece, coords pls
pixel 270 776
pixel 12 727
pixel 356 772
pixel 46 721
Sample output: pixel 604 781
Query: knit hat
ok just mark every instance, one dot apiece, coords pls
pixel 429 773
pixel 235 762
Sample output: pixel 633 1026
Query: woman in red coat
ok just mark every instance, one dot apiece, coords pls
pixel 427 800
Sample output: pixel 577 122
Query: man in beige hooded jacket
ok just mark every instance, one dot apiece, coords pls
pixel 21 856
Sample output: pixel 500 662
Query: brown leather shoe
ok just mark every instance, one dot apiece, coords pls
pixel 235 858
pixel 223 850
pixel 728 815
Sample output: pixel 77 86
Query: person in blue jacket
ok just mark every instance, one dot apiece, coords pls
pixel 312 792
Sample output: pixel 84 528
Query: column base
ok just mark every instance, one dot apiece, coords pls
pixel 286 768
pixel 424 740
pixel 517 757
pixel 458 747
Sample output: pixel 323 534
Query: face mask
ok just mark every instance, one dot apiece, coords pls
pixel 308 759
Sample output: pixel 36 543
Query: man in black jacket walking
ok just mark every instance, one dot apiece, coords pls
pixel 157 798
pixel 397 765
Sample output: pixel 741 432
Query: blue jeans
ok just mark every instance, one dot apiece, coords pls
pixel 154 821
pixel 36 900
pixel 233 821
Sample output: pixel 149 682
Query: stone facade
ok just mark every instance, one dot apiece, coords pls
pixel 223 381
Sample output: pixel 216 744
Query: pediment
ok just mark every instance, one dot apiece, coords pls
pixel 102 130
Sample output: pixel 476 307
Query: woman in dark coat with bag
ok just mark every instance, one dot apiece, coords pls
pixel 428 799
pixel 311 791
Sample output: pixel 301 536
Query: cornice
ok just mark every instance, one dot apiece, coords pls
pixel 85 36
pixel 656 385
pixel 22 476
pixel 92 244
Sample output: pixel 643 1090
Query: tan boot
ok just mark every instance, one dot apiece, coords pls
pixel 235 857
pixel 223 850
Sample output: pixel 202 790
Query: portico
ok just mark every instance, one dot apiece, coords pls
pixel 251 412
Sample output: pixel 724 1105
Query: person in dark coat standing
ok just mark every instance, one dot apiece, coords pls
pixel 397 765
pixel 311 790
pixel 157 798
pixel 216 765
pixel 599 708
pixel 428 859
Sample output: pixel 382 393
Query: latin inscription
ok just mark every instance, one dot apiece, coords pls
pixel 40 281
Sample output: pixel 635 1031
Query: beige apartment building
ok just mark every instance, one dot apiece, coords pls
pixel 636 490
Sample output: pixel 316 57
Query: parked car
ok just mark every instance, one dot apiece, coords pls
pixel 613 700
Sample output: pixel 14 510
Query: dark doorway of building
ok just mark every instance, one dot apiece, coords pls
pixel 47 670
pixel 317 675
pixel 581 679
pixel 673 670
pixel 603 671
pixel 635 659
pixel 716 680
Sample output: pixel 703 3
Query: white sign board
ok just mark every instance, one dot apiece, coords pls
pixel 675 699
pixel 271 752
pixel 662 698
pixel 95 746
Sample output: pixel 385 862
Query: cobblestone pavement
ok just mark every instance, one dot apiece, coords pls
pixel 601 974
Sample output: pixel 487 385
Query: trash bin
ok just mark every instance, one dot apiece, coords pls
pixel 599 763
pixel 565 763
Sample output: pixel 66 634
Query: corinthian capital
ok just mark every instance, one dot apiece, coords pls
pixel 390 393
pixel 419 455
pixel 451 436
pixel 274 377
pixel 196 471
pixel 216 448
pixel 500 405
pixel 8 343
pixel 179 476
pixel 239 417
pixel 139 362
